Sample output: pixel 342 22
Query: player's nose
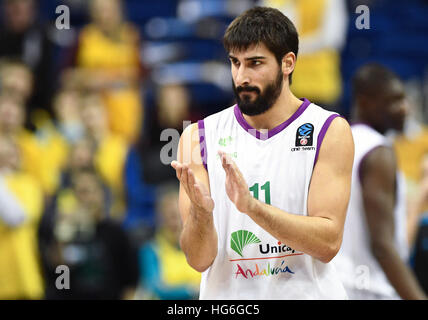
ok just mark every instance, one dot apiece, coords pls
pixel 242 77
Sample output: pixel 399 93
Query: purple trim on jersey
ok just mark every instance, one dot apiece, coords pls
pixel 203 143
pixel 263 136
pixel 322 133
pixel 368 152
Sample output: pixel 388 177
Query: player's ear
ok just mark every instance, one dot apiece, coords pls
pixel 288 63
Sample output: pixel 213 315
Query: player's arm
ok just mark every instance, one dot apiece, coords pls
pixel 198 238
pixel 318 234
pixel 378 179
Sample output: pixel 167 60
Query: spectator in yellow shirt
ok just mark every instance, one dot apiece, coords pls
pixel 110 149
pixel 42 158
pixel 321 25
pixel 108 60
pixel 21 205
pixel 165 273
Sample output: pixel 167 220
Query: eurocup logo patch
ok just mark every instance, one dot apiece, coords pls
pixel 304 135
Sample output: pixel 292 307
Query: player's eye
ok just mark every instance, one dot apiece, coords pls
pixel 235 62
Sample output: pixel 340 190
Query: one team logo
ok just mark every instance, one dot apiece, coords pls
pixel 304 135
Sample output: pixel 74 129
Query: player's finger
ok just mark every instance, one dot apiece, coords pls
pixel 198 191
pixel 228 164
pixel 233 170
pixel 224 160
pixel 205 201
pixel 183 179
pixel 188 180
pixel 236 171
pixel 178 169
pixel 191 181
pixel 191 177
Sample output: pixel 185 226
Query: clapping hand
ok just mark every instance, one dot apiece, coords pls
pixel 196 191
pixel 236 186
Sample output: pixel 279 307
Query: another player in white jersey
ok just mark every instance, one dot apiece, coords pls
pixel 265 184
pixel 372 258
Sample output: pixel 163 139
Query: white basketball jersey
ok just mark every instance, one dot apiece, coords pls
pixel 277 166
pixel 358 268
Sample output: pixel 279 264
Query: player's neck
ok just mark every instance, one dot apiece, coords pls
pixel 285 106
pixel 359 117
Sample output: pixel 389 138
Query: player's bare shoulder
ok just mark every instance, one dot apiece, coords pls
pixel 338 143
pixel 340 130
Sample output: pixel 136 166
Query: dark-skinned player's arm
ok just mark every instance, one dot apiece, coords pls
pixel 318 234
pixel 198 238
pixel 378 180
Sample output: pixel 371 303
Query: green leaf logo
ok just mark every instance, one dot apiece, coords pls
pixel 239 239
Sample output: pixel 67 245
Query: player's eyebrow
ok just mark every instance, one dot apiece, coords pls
pixel 255 58
pixel 249 58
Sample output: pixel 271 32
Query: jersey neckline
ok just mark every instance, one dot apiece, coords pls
pixel 264 136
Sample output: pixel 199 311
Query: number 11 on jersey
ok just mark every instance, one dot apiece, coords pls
pixel 266 188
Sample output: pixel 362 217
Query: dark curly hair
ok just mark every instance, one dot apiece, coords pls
pixel 262 25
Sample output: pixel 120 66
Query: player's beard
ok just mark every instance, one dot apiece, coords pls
pixel 264 100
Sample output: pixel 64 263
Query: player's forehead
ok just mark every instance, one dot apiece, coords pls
pixel 396 87
pixel 391 90
pixel 255 50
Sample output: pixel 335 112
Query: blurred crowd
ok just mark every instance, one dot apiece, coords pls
pixel 81 113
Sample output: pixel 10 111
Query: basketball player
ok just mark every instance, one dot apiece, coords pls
pixel 264 192
pixel 371 259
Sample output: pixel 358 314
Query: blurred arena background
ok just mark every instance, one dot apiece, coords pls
pixel 82 110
